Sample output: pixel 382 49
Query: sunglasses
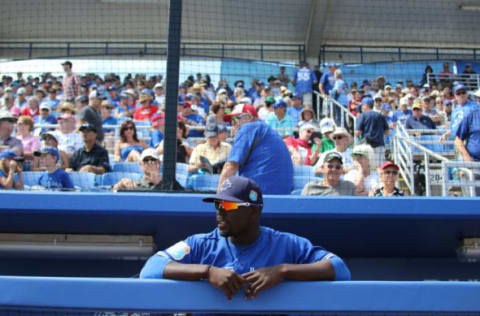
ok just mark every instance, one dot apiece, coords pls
pixel 332 166
pixel 461 92
pixel 148 160
pixel 337 137
pixel 129 128
pixel 229 206
pixel 309 131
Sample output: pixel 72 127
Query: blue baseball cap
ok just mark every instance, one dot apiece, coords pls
pixel 367 101
pixel 181 100
pixel 8 153
pixel 297 96
pixel 459 87
pixel 238 189
pixel 280 104
pixel 260 83
pixel 81 98
pixel 147 91
pixel 48 150
pixel 124 96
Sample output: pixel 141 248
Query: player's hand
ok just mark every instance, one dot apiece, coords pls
pixel 263 278
pixel 227 281
pixel 125 183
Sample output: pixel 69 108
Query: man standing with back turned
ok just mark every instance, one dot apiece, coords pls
pixel 259 153
pixel 241 253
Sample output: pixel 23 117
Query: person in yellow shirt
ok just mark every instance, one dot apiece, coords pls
pixel 212 150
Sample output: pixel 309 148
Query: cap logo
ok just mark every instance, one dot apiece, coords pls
pixel 253 195
pixel 225 185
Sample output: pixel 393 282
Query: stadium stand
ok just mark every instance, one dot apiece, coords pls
pixel 194 63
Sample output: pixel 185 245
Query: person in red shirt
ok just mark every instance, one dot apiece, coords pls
pixel 356 102
pixel 32 109
pixel 146 110
pixel 299 148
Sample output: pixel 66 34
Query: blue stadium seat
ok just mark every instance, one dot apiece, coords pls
pixel 182 168
pixel 182 179
pixel 300 181
pixel 111 178
pixel 127 167
pixel 304 171
pixel 83 180
pixel 203 182
pixel 142 132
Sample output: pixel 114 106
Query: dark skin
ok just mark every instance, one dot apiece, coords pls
pixel 242 227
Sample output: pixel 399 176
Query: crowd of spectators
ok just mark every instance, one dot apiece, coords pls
pixel 75 114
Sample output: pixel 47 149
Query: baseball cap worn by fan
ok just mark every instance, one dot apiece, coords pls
pixel 327 125
pixel 240 109
pixel 87 126
pixel 211 131
pixel 280 104
pixel 149 152
pixel 458 88
pixel 238 189
pixel 8 153
pixel 387 164
pixel 331 156
pixel 48 150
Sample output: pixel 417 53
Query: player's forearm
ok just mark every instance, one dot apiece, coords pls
pixel 317 271
pixel 185 272
pixel 461 149
pixel 229 169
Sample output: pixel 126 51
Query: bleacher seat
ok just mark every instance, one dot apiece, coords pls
pixel 203 182
pixel 182 179
pixel 142 133
pixel 127 167
pixel 300 181
pixel 111 178
pixel 83 180
pixel 182 168
pixel 303 170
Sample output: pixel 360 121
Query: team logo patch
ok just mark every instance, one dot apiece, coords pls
pixel 179 250
pixel 225 185
pixel 253 195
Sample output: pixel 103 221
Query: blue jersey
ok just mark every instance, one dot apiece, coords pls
pixel 109 121
pixel 328 81
pixel 469 129
pixel 263 157
pixel 401 116
pixel 271 248
pixel 59 179
pixel 373 126
pixel 196 119
pixel 156 138
pixel 304 79
pixel 294 113
pixel 458 115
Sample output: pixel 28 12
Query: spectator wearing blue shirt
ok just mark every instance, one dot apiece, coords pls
pixel 52 99
pixel 464 107
pixel 267 256
pixel 259 153
pixel 45 117
pixel 113 95
pixel 418 120
pixel 158 125
pixel 53 177
pixel 303 79
pixel 372 126
pixel 339 93
pixel 107 118
pixel 403 113
pixel 279 119
pixel 191 119
pixel 296 109
pixel 469 132
pixel 326 84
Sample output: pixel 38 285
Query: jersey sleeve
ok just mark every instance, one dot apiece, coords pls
pixel 462 130
pixel 308 253
pixel 182 252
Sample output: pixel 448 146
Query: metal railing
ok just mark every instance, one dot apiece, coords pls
pixel 330 108
pixel 404 157
pixel 471 81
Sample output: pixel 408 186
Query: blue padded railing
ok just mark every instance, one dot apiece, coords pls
pixel 42 295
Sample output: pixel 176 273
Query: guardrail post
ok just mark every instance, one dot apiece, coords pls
pixel 261 52
pixel 445 180
pixel 428 191
pixel 30 48
pixel 399 54
pixel 68 49
pixel 106 48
